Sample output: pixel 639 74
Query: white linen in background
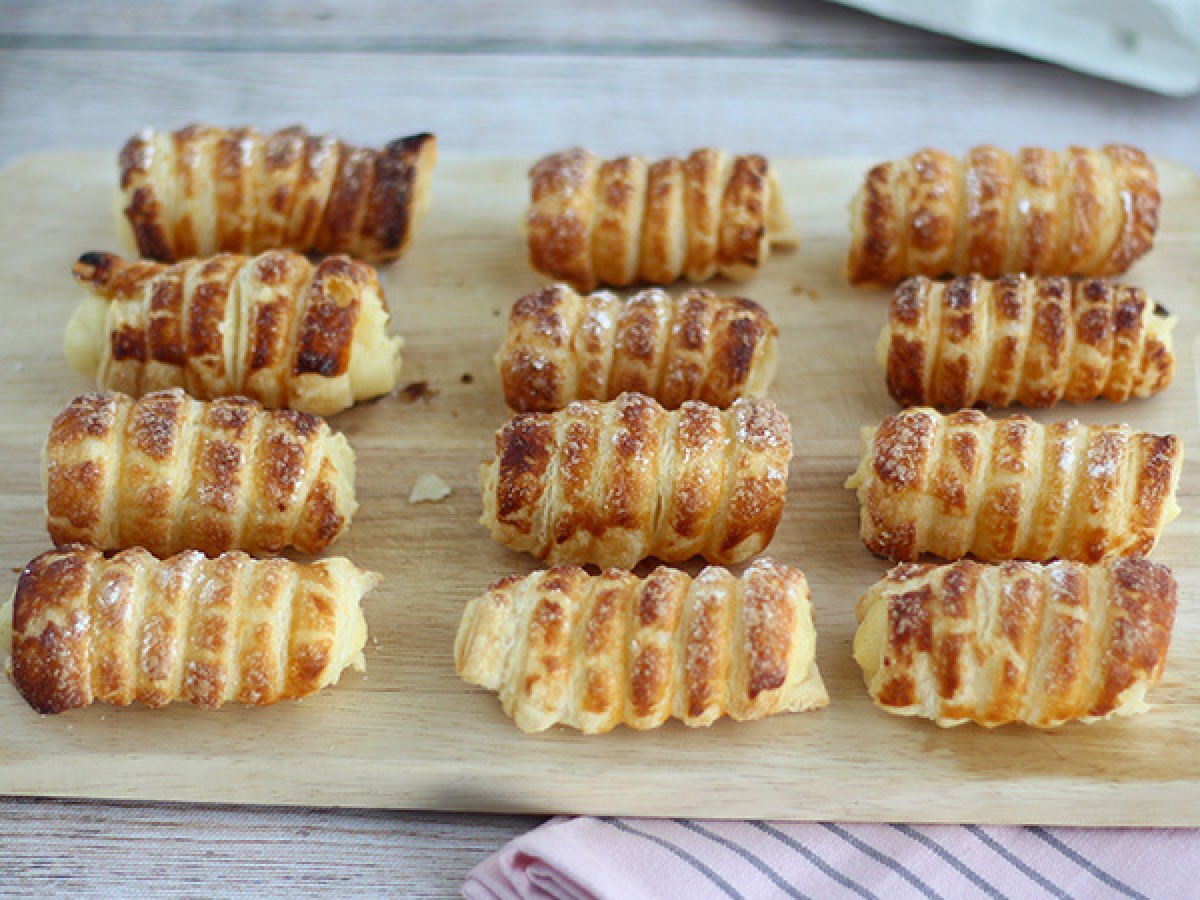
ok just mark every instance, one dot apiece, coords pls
pixel 1151 44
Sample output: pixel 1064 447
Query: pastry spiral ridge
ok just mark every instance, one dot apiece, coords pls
pixel 1013 488
pixel 1029 340
pixel 272 327
pixel 1075 212
pixel 133 628
pixel 168 473
pixel 562 346
pixel 204 190
pixel 612 483
pixel 593 652
pixel 1016 641
pixel 617 221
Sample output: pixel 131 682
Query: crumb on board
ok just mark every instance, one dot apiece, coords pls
pixel 429 489
pixel 467 378
pixel 800 290
pixel 417 390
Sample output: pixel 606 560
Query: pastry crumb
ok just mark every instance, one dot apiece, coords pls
pixel 467 378
pixel 417 390
pixel 429 489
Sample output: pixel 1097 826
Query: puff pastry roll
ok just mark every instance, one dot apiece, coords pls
pixel 133 628
pixel 1020 339
pixel 271 327
pixel 562 647
pixel 612 483
pixel 617 221
pixel 562 346
pixel 168 473
pixel 1075 212
pixel 203 190
pixel 1016 642
pixel 1013 488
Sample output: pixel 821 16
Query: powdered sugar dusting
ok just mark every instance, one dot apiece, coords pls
pixel 1065 449
pixel 708 592
pixel 902 445
pixel 563 172
pixel 761 426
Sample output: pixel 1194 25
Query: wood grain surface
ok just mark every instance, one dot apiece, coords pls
pixel 409 733
pixel 83 849
pixel 507 78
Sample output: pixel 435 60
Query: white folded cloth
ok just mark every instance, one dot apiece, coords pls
pixel 1152 44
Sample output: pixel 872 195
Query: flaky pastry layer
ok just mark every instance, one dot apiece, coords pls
pixel 204 190
pixel 1013 488
pixel 562 346
pixel 612 483
pixel 1041 212
pixel 169 473
pixel 273 327
pixel 562 647
pixel 132 628
pixel 1016 642
pixel 620 221
pixel 1028 340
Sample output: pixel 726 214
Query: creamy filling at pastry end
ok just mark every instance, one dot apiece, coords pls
pixel 1172 512
pixel 863 472
pixel 354 642
pixel 352 632
pixel 762 374
pixel 780 231
pixel 1160 327
pixel 6 634
pixel 868 640
pixel 341 455
pixel 882 344
pixel 83 341
pixel 375 356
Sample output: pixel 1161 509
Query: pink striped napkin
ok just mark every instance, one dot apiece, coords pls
pixel 584 858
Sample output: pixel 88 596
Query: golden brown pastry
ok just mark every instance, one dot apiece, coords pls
pixel 612 483
pixel 203 190
pixel 561 346
pixel 1032 340
pixel 1017 641
pixel 169 473
pixel 208 631
pixel 1013 488
pixel 271 327
pixel 562 647
pixel 1078 212
pixel 617 221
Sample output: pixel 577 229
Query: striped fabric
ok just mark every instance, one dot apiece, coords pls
pixel 584 858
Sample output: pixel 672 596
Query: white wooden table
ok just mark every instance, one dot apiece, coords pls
pixel 496 78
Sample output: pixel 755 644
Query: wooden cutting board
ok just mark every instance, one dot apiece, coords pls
pixel 408 733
